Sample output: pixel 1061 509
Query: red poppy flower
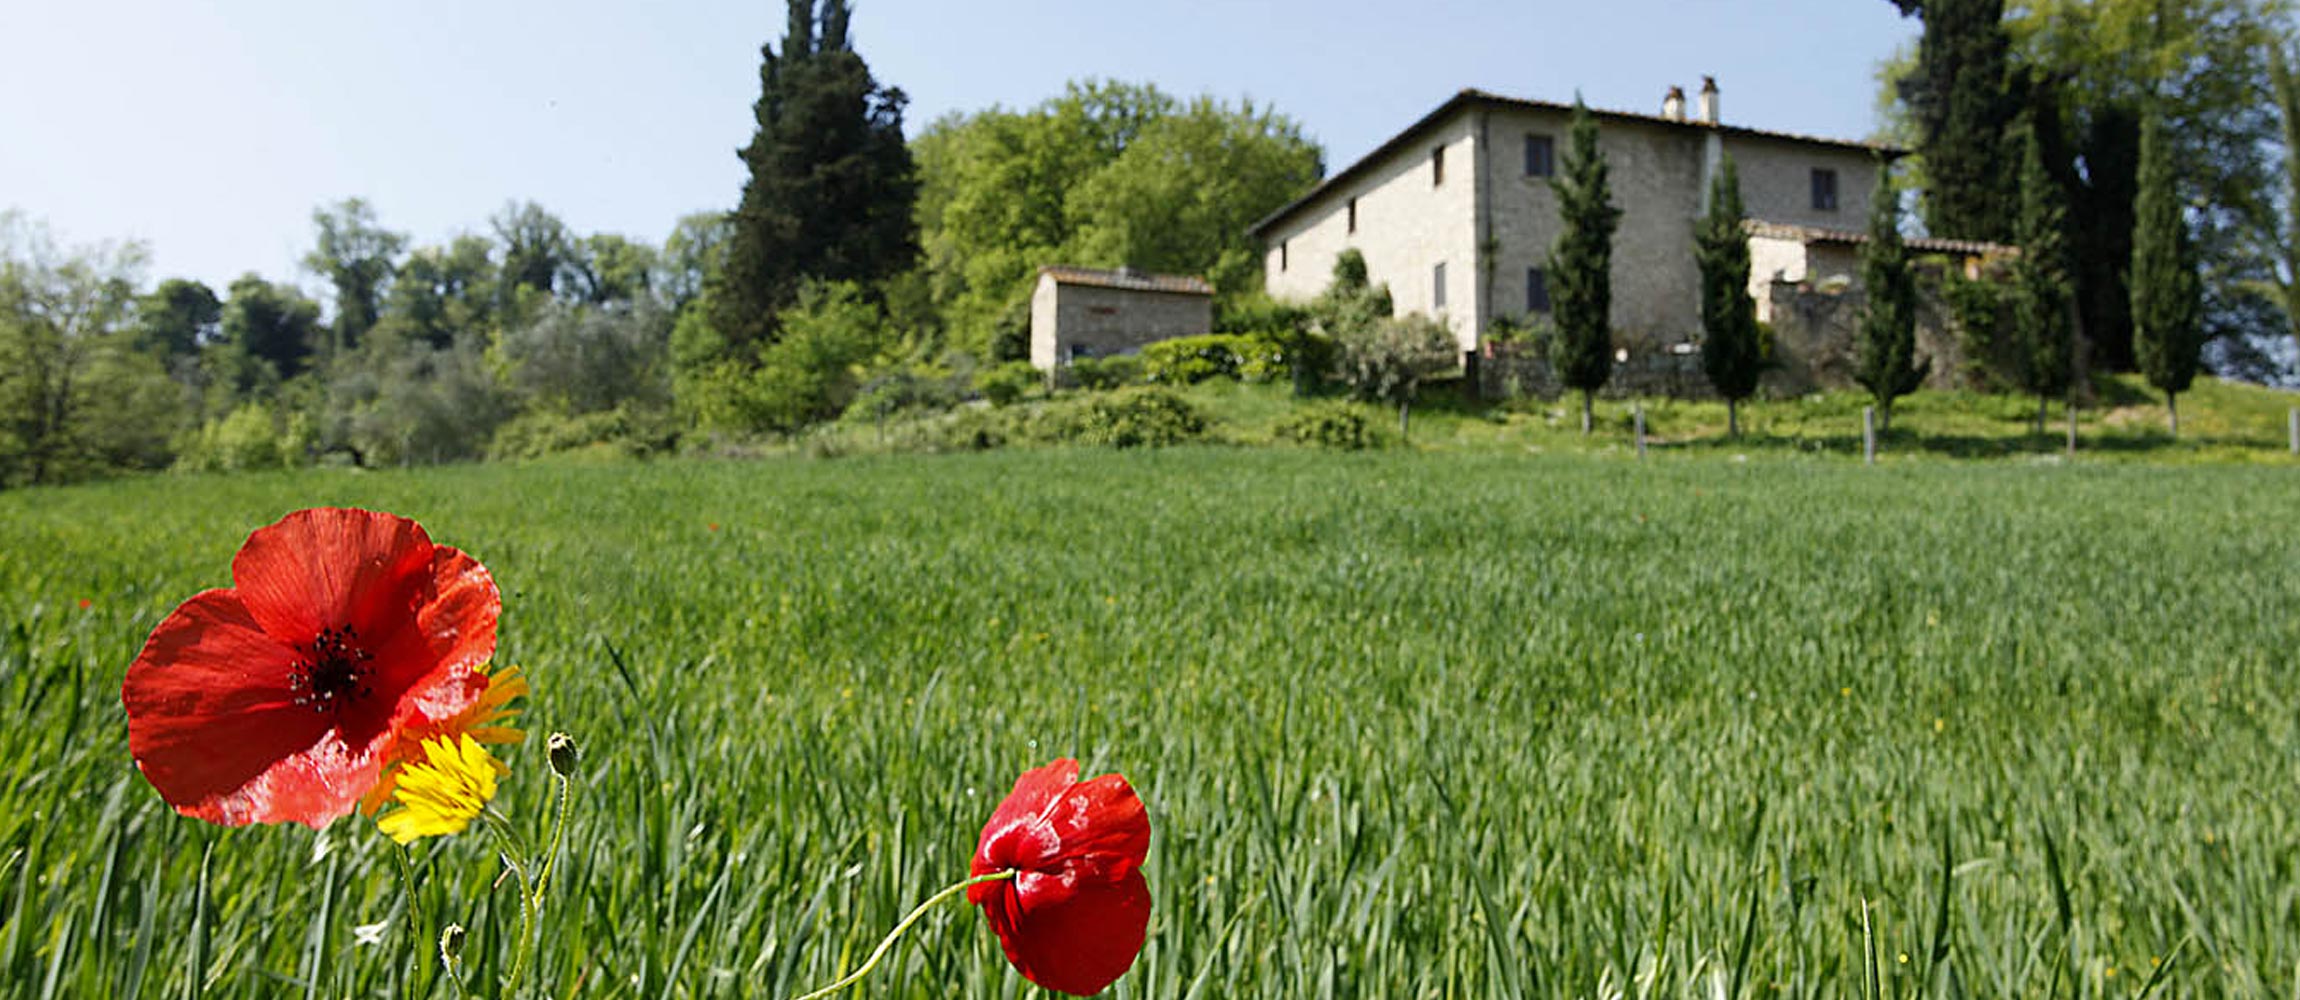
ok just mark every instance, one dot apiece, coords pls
pixel 1073 917
pixel 277 700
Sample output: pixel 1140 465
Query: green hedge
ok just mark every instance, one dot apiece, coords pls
pixel 1191 360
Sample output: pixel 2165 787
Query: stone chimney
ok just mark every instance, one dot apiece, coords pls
pixel 1709 100
pixel 1673 105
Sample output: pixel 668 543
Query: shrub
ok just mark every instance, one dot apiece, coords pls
pixel 250 437
pixel 1142 417
pixel 1191 360
pixel 1328 425
pixel 1106 373
pixel 621 431
pixel 1008 383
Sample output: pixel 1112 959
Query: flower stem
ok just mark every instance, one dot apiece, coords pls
pixel 920 911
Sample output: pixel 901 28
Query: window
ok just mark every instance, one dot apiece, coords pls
pixel 1353 215
pixel 1540 155
pixel 1437 166
pixel 1437 294
pixel 1824 190
pixel 1281 255
pixel 1536 290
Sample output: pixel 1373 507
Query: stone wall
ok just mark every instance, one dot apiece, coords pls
pixel 1407 224
pixel 1814 330
pixel 1067 319
pixel 1489 222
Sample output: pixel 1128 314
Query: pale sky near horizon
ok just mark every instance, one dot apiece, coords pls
pixel 210 129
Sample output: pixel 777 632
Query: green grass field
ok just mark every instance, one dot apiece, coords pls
pixel 1408 725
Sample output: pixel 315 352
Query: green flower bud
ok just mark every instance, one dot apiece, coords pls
pixel 450 945
pixel 564 755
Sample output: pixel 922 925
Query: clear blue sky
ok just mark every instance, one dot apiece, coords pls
pixel 210 129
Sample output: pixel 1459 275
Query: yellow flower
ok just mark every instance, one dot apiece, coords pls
pixel 487 720
pixel 440 794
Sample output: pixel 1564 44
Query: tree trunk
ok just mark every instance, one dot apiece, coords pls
pixel 2042 406
pixel 1585 412
pixel 1403 407
pixel 2070 408
pixel 2172 408
pixel 1733 419
pixel 1884 418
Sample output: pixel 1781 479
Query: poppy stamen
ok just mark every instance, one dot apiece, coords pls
pixel 334 672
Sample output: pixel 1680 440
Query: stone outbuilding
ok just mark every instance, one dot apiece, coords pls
pixel 1078 312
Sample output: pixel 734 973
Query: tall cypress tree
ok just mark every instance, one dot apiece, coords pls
pixel 1964 102
pixel 2042 320
pixel 1731 355
pixel 831 183
pixel 1581 265
pixel 2167 306
pixel 1887 339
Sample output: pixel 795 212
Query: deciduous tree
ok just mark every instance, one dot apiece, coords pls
pixel 356 255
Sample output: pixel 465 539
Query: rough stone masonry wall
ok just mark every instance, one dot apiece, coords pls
pixel 1813 336
pixel 1107 321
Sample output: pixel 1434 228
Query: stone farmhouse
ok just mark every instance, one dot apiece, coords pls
pixel 1078 312
pixel 1456 215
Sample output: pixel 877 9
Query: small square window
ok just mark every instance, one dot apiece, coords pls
pixel 1540 155
pixel 1536 290
pixel 1824 190
pixel 1437 294
pixel 1437 166
pixel 1353 215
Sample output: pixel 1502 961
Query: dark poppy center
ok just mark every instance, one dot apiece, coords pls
pixel 333 671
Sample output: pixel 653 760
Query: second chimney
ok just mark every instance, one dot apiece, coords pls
pixel 1709 100
pixel 1673 105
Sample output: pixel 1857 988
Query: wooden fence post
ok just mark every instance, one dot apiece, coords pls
pixel 1640 430
pixel 1869 435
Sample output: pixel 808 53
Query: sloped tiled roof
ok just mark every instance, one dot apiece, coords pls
pixel 1479 98
pixel 1924 244
pixel 1129 279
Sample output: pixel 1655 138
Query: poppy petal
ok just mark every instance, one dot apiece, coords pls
pixel 1078 941
pixel 1017 835
pixel 211 716
pixel 328 567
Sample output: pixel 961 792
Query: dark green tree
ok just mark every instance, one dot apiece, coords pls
pixel 536 249
pixel 1581 264
pixel 831 187
pixel 440 292
pixel 2166 295
pixel 1732 354
pixel 176 318
pixel 2043 320
pixel 357 255
pixel 1960 96
pixel 272 323
pixel 1886 344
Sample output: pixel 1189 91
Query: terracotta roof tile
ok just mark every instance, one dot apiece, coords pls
pixel 1928 244
pixel 1129 279
pixel 1480 98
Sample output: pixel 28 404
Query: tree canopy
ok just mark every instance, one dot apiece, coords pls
pixel 1108 174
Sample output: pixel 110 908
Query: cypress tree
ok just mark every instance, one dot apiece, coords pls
pixel 1964 103
pixel 2166 294
pixel 831 184
pixel 1581 265
pixel 1887 340
pixel 2042 319
pixel 1731 355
